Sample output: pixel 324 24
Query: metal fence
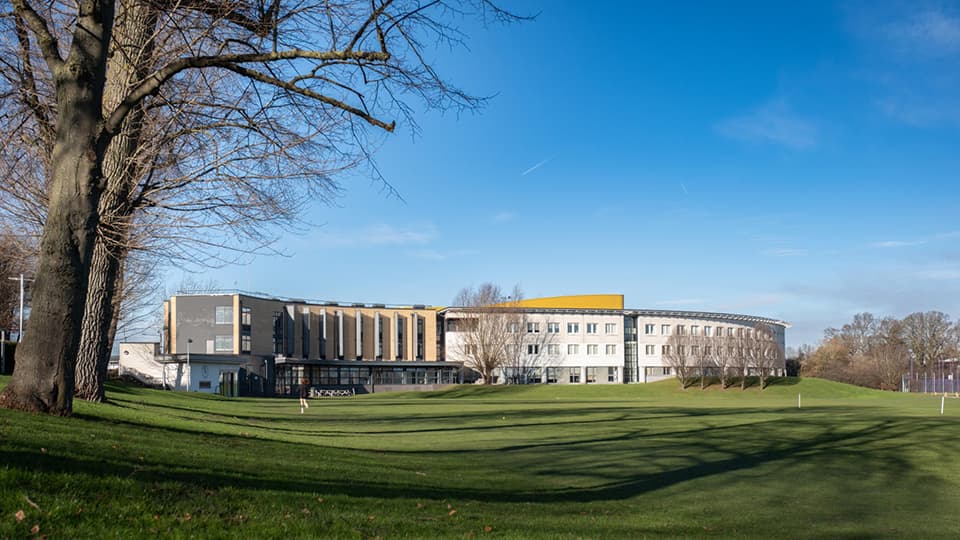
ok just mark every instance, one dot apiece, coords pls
pixel 930 385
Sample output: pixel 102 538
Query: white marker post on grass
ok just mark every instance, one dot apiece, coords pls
pixel 942 399
pixel 799 402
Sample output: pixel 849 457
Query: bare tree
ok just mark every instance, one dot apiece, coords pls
pixel 677 356
pixel 485 328
pixel 369 62
pixel 768 355
pixel 15 259
pixel 716 354
pixel 929 338
pixel 528 342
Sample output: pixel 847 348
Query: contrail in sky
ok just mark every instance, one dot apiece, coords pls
pixel 684 188
pixel 535 167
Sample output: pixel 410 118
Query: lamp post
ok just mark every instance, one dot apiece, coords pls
pixel 20 329
pixel 189 341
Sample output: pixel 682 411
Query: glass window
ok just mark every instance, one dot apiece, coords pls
pixel 553 328
pixel 533 328
pixel 650 350
pixel 513 328
pixel 593 349
pixel 665 329
pixel 681 330
pixel 553 349
pixel 610 328
pixel 591 375
pixel 573 328
pixel 573 348
pixel 224 314
pixel 694 330
pixel 533 349
pixel 552 375
pixel 611 374
pixel 574 374
pixel 591 328
pixel 246 316
pixel 665 350
pixel 223 344
pixel 611 349
pixel 708 331
pixel 245 345
pixel 649 329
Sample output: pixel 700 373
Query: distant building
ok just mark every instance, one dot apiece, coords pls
pixel 248 344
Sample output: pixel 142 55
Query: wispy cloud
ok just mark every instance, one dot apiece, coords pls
pixel 378 235
pixel 785 252
pixel 929 31
pixel 771 123
pixel 897 243
pixel 537 166
pixel 429 254
pixel 504 217
pixel 684 188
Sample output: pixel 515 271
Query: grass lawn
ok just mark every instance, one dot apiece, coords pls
pixel 508 462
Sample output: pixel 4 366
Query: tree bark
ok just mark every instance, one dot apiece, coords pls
pixel 133 44
pixel 43 379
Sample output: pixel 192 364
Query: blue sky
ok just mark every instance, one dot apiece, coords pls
pixel 792 160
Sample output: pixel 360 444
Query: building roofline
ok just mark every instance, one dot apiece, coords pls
pixel 309 301
pixel 649 313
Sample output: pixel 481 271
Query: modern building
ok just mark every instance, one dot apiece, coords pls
pixel 252 344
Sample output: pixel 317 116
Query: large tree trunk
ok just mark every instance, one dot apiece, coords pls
pixel 100 317
pixel 136 22
pixel 43 379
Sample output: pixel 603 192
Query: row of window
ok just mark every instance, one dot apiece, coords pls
pixel 553 349
pixel 707 350
pixel 695 330
pixel 572 328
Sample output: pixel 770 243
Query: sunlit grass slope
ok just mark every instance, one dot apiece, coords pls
pixel 508 462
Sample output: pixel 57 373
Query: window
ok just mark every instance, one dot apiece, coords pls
pixel 513 328
pixel 708 331
pixel 665 350
pixel 574 375
pixel 573 348
pixel 245 344
pixel 204 385
pixel 552 375
pixel 553 328
pixel 681 330
pixel 707 350
pixel 680 350
pixel 593 350
pixel 573 328
pixel 665 329
pixel 246 317
pixel 650 350
pixel 739 332
pixel 223 344
pixel 224 315
pixel 591 375
pixel 730 331
pixel 719 331
pixel 611 374
pixel 610 328
pixel 533 349
pixel 611 349
pixel 694 330
pixel 591 328
pixel 533 328
pixel 553 349
pixel 695 350
pixel 649 329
